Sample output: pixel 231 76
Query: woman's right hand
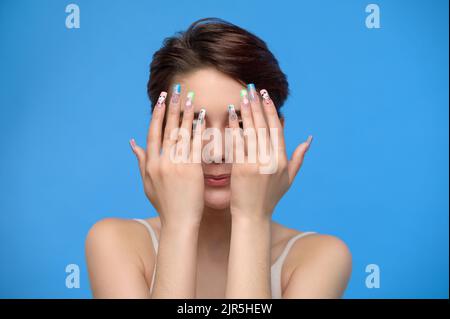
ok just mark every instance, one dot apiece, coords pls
pixel 174 188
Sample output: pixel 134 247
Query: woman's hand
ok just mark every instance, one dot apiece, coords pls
pixel 256 187
pixel 174 188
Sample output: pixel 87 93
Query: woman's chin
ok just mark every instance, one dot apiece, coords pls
pixel 217 197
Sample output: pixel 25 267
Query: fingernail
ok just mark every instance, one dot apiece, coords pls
pixel 190 99
pixel 133 144
pixel 252 91
pixel 309 140
pixel 244 97
pixel 266 97
pixel 201 116
pixel 232 112
pixel 176 93
pixel 161 99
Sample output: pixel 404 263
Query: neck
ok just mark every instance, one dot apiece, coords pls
pixel 215 233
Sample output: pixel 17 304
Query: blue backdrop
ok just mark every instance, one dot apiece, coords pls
pixel 376 101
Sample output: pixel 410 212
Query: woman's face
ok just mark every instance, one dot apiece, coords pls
pixel 214 91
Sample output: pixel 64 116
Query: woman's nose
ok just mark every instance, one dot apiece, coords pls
pixel 214 144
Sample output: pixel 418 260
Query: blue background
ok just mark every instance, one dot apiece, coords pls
pixel 376 101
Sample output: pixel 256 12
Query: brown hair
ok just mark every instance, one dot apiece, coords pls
pixel 213 42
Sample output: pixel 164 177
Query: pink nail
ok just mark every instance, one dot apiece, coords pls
pixel 133 144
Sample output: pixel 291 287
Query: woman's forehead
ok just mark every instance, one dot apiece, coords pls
pixel 213 90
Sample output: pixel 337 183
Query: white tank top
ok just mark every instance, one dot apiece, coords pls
pixel 275 269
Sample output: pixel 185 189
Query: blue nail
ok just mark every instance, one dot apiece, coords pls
pixel 177 88
pixel 252 91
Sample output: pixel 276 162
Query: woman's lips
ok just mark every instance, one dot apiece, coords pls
pixel 217 180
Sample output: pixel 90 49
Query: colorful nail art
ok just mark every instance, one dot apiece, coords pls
pixel 265 96
pixel 189 100
pixel 252 91
pixel 232 113
pixel 176 93
pixel 161 99
pixel 201 116
pixel 244 97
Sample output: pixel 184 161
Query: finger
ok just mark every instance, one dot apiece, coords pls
pixel 255 105
pixel 233 120
pixel 297 159
pixel 262 132
pixel 196 147
pixel 246 112
pixel 173 118
pixel 235 134
pixel 188 113
pixel 140 155
pixel 248 126
pixel 155 129
pixel 186 124
pixel 273 121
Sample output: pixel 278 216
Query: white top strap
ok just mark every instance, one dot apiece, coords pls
pixel 155 245
pixel 151 231
pixel 278 265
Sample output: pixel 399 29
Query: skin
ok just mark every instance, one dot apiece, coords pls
pixel 214 241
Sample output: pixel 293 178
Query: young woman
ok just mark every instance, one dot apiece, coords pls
pixel 214 237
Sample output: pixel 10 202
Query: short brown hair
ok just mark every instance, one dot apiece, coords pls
pixel 213 42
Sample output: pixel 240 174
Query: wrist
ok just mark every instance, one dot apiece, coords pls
pixel 180 225
pixel 251 218
pixel 180 217
pixel 178 234
pixel 257 214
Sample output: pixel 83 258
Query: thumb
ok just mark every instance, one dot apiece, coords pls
pixel 297 158
pixel 140 155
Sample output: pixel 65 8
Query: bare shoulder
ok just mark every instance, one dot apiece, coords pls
pixel 114 231
pixel 118 233
pixel 323 261
pixel 311 245
pixel 116 241
pixel 316 246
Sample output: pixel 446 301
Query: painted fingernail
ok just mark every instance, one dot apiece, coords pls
pixel 189 100
pixel 244 97
pixel 201 116
pixel 133 144
pixel 265 95
pixel 176 93
pixel 161 99
pixel 232 113
pixel 252 91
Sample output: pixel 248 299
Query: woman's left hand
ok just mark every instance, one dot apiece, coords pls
pixel 261 180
